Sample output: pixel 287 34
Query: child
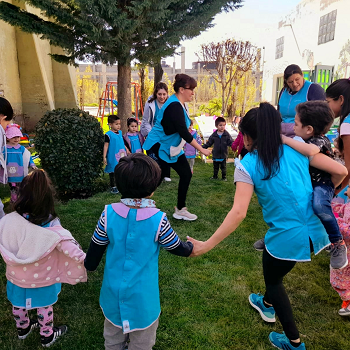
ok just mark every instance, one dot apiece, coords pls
pixel 18 159
pixel 238 145
pixel 38 253
pixel 132 231
pixel 133 139
pixel 312 121
pixel 6 115
pixel 190 151
pixel 340 279
pixel 221 140
pixel 113 149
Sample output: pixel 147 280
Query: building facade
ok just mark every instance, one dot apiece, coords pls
pixel 29 78
pixel 315 36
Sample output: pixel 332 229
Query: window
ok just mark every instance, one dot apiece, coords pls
pixel 327 27
pixel 279 47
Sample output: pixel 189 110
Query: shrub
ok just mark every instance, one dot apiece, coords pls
pixel 70 145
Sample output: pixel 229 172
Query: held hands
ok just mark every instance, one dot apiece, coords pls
pixel 206 152
pixel 199 247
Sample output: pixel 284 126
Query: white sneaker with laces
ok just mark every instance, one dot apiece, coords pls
pixel 167 179
pixel 184 214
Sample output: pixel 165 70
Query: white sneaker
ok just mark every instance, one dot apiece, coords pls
pixel 184 214
pixel 167 179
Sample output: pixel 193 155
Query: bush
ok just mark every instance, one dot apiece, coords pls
pixel 70 145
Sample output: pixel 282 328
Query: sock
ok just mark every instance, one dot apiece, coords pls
pixel 295 344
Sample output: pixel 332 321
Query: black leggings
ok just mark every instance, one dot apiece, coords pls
pixel 182 168
pixel 274 272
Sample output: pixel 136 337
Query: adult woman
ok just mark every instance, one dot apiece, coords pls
pixel 338 98
pixel 296 90
pixel 150 114
pixel 169 135
pixel 279 175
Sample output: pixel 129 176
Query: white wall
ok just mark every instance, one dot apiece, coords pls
pixel 305 20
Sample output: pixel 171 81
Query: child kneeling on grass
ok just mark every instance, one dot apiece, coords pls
pixel 39 255
pixel 221 139
pixel 132 231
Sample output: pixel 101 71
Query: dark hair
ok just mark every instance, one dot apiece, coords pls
pixel 289 71
pixel 185 81
pixel 263 125
pixel 36 198
pixel 316 114
pixel 340 87
pixel 6 109
pixel 158 87
pixel 130 121
pixel 112 118
pixel 137 176
pixel 219 120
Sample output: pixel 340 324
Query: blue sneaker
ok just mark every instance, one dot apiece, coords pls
pixel 267 313
pixel 280 341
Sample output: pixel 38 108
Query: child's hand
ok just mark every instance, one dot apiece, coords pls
pixel 283 137
pixel 104 160
pixel 199 247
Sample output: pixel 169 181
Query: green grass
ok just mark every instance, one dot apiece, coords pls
pixel 204 300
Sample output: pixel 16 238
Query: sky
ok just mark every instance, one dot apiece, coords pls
pixel 247 23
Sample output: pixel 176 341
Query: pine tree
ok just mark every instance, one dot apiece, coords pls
pixel 111 31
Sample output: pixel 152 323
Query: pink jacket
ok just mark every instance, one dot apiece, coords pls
pixel 238 144
pixel 39 257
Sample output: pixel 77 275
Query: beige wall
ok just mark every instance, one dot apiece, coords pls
pixel 29 78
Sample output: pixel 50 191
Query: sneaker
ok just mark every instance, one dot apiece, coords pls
pixel 184 214
pixel 280 341
pixel 259 245
pixel 57 332
pixel 338 253
pixel 345 308
pixel 224 179
pixel 266 313
pixel 167 179
pixel 214 178
pixel 114 190
pixel 23 333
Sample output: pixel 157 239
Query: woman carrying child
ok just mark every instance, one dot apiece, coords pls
pixel 39 255
pixel 274 170
pixel 169 135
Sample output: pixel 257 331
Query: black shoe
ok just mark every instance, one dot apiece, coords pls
pixel 214 178
pixel 259 245
pixel 23 333
pixel 57 332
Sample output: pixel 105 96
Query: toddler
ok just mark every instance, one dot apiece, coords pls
pixel 221 139
pixel 190 151
pixel 39 255
pixel 133 139
pixel 113 149
pixel 18 159
pixel 340 279
pixel 312 122
pixel 132 232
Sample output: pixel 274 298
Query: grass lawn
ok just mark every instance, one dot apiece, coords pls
pixel 204 300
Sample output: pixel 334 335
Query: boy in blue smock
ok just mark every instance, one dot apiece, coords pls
pixel 132 231
pixel 113 149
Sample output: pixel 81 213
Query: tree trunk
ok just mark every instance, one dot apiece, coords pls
pixel 223 102
pixel 142 85
pixel 158 73
pixel 124 94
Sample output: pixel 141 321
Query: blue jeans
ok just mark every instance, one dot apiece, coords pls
pixel 323 195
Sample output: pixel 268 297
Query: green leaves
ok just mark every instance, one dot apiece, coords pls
pixel 70 144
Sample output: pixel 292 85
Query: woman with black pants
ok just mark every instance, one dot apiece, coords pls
pixel 169 135
pixel 279 175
